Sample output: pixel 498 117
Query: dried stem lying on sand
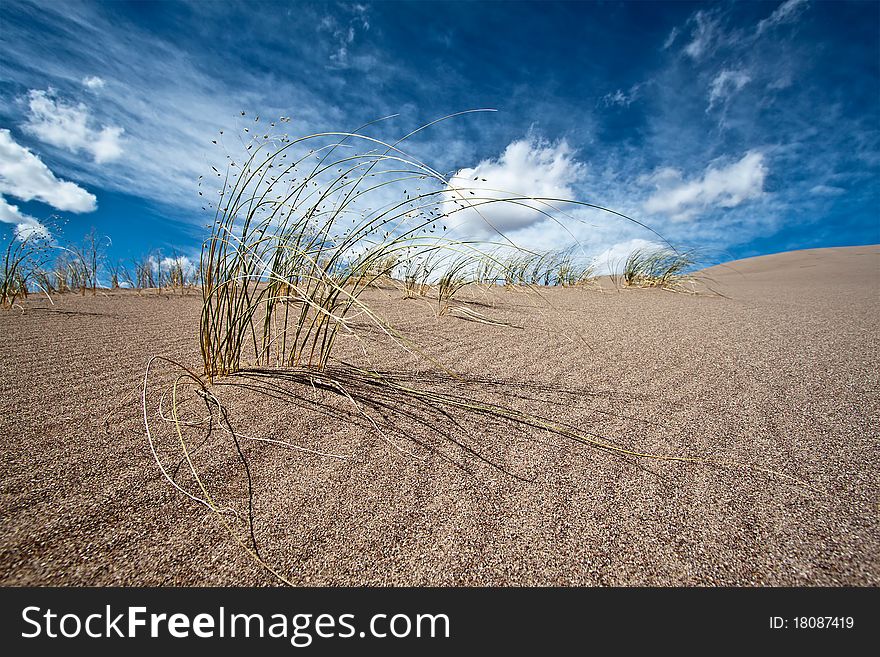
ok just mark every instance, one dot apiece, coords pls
pixel 430 399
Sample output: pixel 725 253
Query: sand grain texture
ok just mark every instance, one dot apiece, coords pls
pixel 781 372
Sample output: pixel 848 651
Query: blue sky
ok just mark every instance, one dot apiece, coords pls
pixel 736 128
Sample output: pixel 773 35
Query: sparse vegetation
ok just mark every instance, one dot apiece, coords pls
pixel 417 272
pixel 85 260
pixel 457 274
pixel 298 237
pixel 658 267
pixel 143 272
pixel 23 259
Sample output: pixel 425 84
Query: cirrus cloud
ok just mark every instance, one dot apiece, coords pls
pixel 725 84
pixel 787 12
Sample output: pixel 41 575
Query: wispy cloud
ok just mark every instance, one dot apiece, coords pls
pixel 787 12
pixel 827 190
pixel 705 28
pixel 670 39
pixel 344 32
pixel 55 122
pixel 622 98
pixel 725 84
pixel 170 112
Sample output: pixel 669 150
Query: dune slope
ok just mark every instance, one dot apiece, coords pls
pixel 778 373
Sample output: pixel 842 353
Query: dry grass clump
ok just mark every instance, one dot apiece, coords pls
pixel 658 267
pixel 572 272
pixel 302 227
pixel 564 268
pixel 458 274
pixel 23 260
pixel 417 272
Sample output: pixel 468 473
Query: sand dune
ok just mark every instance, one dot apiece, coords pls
pixel 777 371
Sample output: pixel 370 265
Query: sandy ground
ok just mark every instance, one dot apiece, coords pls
pixel 779 373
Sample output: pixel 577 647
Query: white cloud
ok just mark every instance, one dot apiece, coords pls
pixel 703 35
pixel 106 146
pixel 622 98
pixel 525 168
pixel 718 187
pixel 670 39
pixel 187 265
pixel 344 35
pixel 25 176
pixel 162 266
pixel 68 126
pixel 725 84
pixel 25 225
pixel 93 82
pixel 787 12
pixel 827 190
pixel 32 230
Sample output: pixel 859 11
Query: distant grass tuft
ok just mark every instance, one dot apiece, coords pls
pixel 659 267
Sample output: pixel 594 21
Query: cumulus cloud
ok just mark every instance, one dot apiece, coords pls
pixel 69 126
pixel 725 84
pixel 93 82
pixel 26 226
pixel 724 187
pixel 787 12
pixel 31 231
pixel 165 264
pixel 162 268
pixel 25 176
pixel 526 168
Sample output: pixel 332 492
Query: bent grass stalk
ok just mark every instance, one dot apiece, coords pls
pixel 366 388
